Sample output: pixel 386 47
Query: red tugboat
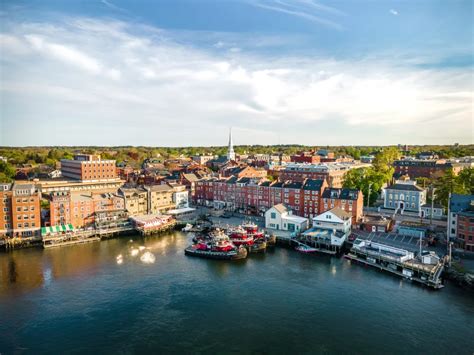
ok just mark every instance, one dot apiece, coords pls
pixel 260 244
pixel 216 246
pixel 239 236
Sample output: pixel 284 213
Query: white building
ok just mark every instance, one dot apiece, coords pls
pixel 279 217
pixel 330 230
pixel 335 219
pixel 181 198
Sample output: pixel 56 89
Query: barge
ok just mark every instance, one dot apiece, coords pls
pixel 426 268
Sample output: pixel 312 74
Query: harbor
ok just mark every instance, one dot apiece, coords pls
pixel 318 295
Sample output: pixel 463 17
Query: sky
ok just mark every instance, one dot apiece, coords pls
pixel 181 73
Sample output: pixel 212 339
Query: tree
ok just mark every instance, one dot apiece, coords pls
pixel 7 172
pixel 365 179
pixel 446 184
pixel 466 180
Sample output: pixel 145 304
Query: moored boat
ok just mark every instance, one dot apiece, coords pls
pixel 271 240
pixel 216 245
pixel 258 247
pixel 305 249
pixel 239 236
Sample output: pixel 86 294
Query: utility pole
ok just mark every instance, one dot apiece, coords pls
pixel 432 205
pixel 368 196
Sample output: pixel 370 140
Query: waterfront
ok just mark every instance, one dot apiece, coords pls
pixel 77 298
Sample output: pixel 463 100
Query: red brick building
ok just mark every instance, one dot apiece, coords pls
pixel 86 167
pixel 256 196
pixel 305 157
pixel 423 168
pixel 20 214
pixel 333 173
pixel 465 228
pixel 349 200
pixel 86 209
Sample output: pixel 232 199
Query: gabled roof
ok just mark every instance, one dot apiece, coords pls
pixel 232 180
pixel 277 184
pixel 265 183
pixel 281 208
pixel 190 177
pixel 340 213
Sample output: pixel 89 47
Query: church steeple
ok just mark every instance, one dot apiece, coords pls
pixel 230 150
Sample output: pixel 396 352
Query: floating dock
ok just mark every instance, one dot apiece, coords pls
pixel 425 269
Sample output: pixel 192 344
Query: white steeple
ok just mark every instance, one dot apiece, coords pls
pixel 230 151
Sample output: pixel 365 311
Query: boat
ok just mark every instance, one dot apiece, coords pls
pixel 252 230
pixel 239 236
pixel 305 249
pixel 258 247
pixel 217 245
pixel 187 228
pixel 271 240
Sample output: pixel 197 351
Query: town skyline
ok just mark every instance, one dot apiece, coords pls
pixel 109 72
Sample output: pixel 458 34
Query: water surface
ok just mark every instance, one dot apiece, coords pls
pixel 78 299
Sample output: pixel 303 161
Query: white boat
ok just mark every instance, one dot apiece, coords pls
pixel 187 228
pixel 305 249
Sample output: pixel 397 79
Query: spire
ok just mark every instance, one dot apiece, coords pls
pixel 230 151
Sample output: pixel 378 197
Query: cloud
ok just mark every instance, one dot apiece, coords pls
pixel 394 12
pixel 142 87
pixel 305 9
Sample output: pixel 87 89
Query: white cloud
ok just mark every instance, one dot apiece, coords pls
pixel 394 12
pixel 148 89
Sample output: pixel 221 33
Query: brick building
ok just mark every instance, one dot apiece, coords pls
pixel 86 167
pixel 20 214
pixel 333 173
pixel 415 168
pixel 256 196
pixel 306 157
pixel 461 220
pixel 466 228
pixel 86 209
pixel 349 200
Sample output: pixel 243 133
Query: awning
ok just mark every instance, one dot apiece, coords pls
pixel 57 229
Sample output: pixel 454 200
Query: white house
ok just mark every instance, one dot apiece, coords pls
pixel 330 230
pixel 281 218
pixel 336 219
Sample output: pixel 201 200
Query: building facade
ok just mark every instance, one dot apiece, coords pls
pixel 348 200
pixel 280 217
pixel 20 210
pixel 86 167
pixel 416 168
pixel 404 196
pixel 333 173
pixel 460 209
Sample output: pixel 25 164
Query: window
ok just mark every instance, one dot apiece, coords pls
pixel 20 225
pixel 273 215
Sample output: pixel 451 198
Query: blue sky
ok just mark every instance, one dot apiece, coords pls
pixel 177 73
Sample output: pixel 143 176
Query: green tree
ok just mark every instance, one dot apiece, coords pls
pixel 7 172
pixel 446 184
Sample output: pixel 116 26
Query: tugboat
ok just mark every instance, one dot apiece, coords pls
pixel 217 245
pixel 239 236
pixel 260 242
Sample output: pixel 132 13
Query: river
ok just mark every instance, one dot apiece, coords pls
pixel 77 299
